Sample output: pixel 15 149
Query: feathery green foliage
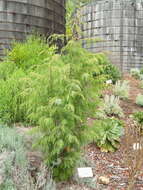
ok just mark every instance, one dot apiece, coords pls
pixel 107 134
pixel 30 54
pixel 68 93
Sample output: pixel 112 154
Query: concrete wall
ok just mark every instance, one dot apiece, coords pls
pixel 119 24
pixel 21 17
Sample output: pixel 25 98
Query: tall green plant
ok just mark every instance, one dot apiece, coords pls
pixel 62 96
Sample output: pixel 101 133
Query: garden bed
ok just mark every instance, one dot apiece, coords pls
pixel 112 165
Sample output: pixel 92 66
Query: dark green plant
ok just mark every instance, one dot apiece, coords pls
pixel 138 116
pixel 108 69
pixel 112 72
pixel 107 133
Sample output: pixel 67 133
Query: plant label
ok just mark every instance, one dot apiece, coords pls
pixel 85 172
pixel 137 146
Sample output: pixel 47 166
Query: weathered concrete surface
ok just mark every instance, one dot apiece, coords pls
pixel 119 24
pixel 20 17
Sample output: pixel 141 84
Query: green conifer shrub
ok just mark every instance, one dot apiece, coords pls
pixel 62 96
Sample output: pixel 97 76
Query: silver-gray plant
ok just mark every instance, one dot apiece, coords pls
pixel 111 106
pixel 121 89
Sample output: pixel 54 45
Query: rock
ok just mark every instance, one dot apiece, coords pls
pixel 104 180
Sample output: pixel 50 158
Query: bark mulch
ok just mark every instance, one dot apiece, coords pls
pixel 113 165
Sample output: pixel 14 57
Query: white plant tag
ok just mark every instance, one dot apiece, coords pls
pixel 137 146
pixel 109 82
pixel 85 172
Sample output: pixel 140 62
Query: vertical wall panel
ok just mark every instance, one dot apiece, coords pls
pixel 119 25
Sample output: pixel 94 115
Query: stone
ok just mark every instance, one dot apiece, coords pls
pixel 104 180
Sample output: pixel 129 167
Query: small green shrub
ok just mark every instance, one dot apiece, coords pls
pixel 112 72
pixel 138 116
pixel 30 54
pixel 139 100
pixel 108 69
pixel 107 134
pixel 121 89
pixel 111 106
pixel 135 72
pixel 65 100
